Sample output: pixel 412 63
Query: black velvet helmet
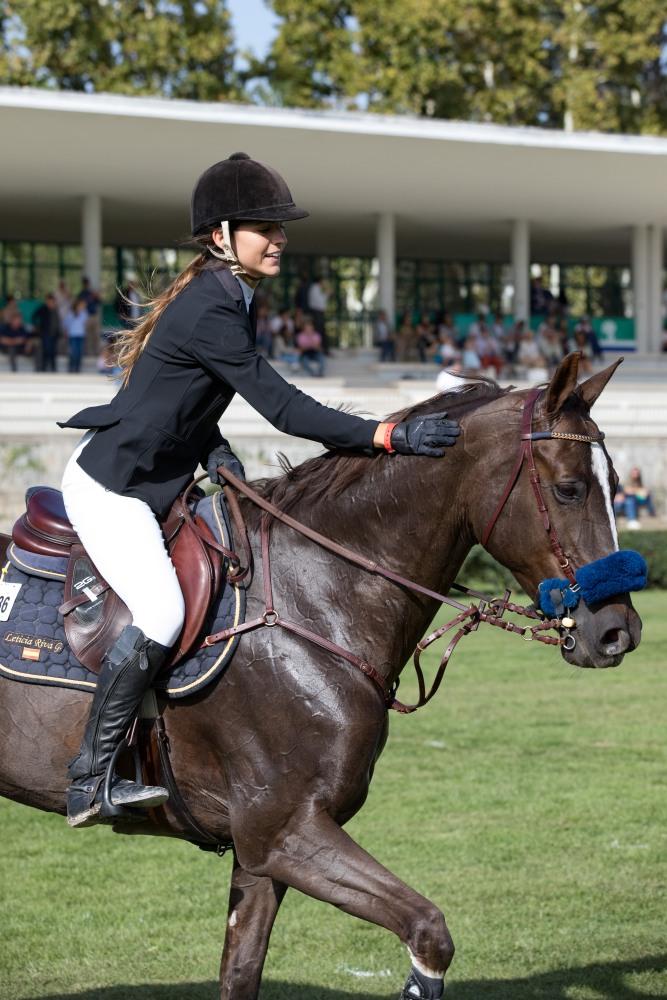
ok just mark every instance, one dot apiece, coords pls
pixel 240 188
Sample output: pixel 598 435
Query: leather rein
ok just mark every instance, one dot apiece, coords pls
pixel 469 616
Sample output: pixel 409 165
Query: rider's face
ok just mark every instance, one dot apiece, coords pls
pixel 259 247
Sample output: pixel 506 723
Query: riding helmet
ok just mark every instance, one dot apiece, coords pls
pixel 241 188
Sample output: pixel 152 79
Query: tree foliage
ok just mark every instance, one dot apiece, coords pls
pixel 122 46
pixel 533 62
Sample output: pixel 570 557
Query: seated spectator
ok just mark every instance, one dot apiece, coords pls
pixel 15 339
pixel 406 341
pixel 282 335
pixel 633 497
pixel 447 328
pixel 529 354
pixel 585 327
pixel 264 339
pixel 488 350
pixel 582 344
pixel 383 337
pixel 447 353
pixel 510 344
pixel 10 310
pixel 550 345
pixel 425 340
pixel 470 361
pixel 309 343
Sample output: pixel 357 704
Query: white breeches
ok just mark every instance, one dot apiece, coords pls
pixel 124 540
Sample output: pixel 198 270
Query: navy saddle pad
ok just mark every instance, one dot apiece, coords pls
pixel 33 646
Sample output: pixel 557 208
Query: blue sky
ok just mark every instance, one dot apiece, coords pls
pixel 254 24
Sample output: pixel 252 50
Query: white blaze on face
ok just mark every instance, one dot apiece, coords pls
pixel 601 472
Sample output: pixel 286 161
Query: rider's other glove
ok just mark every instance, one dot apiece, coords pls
pixel 222 454
pixel 427 435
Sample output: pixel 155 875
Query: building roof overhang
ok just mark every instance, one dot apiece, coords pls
pixel 450 184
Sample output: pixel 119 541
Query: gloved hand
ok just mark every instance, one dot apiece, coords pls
pixel 222 454
pixel 427 435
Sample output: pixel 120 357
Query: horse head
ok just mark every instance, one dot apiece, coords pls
pixel 553 523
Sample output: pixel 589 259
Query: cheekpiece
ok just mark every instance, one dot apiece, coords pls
pixel 240 188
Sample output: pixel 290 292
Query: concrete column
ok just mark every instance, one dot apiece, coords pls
pixel 640 287
pixel 655 269
pixel 91 238
pixel 386 254
pixel 521 269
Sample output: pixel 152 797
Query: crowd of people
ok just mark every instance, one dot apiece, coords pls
pixel 489 343
pixel 60 318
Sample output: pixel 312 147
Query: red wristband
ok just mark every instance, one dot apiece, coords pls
pixel 387 438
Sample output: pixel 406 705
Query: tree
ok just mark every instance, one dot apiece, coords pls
pixel 531 62
pixel 121 46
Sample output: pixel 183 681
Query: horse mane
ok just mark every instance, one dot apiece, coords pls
pixel 330 474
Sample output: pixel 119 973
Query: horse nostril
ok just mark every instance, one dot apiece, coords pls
pixel 615 641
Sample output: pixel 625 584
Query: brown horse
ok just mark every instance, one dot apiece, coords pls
pixel 279 753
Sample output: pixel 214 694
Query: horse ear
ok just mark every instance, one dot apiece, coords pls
pixel 593 386
pixel 563 383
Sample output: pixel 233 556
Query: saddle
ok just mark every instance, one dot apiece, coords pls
pixel 93 614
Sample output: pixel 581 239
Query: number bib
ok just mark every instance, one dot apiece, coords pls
pixel 8 594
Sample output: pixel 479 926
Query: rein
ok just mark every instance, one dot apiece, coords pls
pixel 469 616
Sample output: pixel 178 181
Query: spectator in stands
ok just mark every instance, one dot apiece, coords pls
pixel 10 309
pixel 447 353
pixel 383 337
pixel 585 327
pixel 631 498
pixel 282 334
pixel 318 296
pixel 91 298
pixel 301 293
pixel 529 354
pixel 75 327
pixel 63 301
pixel 511 342
pixel 406 341
pixel 470 360
pixel 47 329
pixel 583 345
pixel 15 339
pixel 541 299
pixel 550 344
pixel 309 343
pixel 425 339
pixel 264 337
pixel 445 327
pixel 488 350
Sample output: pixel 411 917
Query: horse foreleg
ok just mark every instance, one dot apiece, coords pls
pixel 253 904
pixel 317 857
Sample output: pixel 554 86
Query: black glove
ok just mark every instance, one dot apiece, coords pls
pixel 428 435
pixel 222 454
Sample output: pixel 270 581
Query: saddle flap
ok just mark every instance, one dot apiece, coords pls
pixel 199 571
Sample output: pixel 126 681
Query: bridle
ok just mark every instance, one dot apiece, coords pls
pixel 525 454
pixel 469 617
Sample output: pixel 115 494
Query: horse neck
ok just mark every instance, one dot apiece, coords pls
pixel 407 515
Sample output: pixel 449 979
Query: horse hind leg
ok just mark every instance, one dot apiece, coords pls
pixel 253 904
pixel 320 859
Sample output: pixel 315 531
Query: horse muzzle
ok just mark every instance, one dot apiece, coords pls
pixel 604 633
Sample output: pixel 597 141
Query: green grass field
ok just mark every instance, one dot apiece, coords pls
pixel 528 802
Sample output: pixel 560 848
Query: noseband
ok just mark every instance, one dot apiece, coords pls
pixel 617 573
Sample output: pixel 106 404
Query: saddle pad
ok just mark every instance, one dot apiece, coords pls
pixel 33 646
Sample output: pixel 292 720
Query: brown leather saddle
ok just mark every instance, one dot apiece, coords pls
pixel 93 614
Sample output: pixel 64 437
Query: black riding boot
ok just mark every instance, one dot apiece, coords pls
pixel 128 670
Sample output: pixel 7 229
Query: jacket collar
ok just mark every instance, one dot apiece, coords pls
pixel 229 283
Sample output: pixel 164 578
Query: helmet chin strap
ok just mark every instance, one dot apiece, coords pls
pixel 227 254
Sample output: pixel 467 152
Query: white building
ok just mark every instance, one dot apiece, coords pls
pixel 440 215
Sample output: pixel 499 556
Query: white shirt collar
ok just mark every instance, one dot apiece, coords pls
pixel 248 292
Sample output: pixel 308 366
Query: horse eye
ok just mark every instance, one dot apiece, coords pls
pixel 566 492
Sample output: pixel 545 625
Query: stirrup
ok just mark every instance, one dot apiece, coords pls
pixel 109 811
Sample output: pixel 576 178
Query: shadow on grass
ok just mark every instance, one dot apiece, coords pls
pixel 607 979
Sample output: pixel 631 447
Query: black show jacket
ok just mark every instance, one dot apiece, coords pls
pixel 164 422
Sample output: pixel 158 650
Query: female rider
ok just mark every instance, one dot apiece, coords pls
pixel 182 364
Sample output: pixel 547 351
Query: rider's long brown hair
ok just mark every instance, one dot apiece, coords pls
pixel 131 342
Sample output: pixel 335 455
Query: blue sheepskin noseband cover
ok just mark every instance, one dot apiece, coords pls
pixel 618 573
